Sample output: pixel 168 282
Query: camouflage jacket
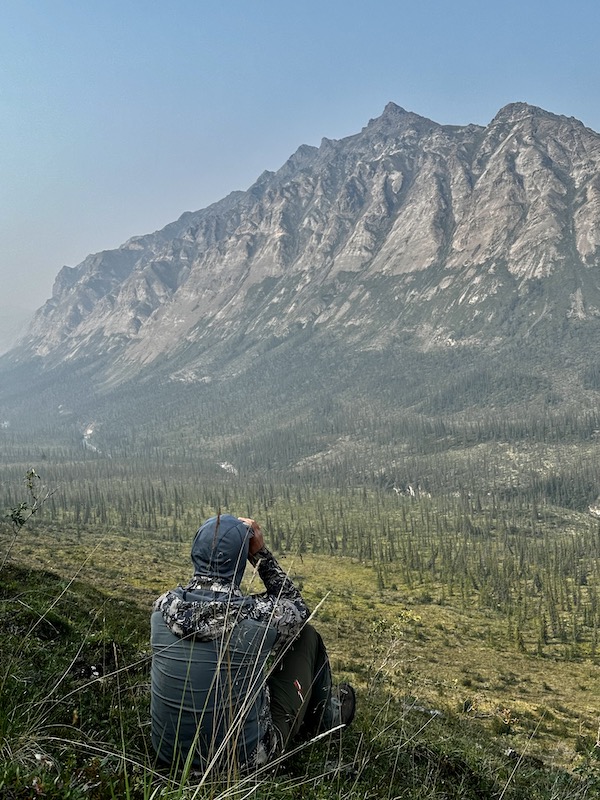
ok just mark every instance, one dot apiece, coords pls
pixel 209 609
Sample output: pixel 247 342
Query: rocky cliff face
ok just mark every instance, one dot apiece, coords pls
pixel 407 226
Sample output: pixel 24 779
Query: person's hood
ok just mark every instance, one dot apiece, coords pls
pixel 220 548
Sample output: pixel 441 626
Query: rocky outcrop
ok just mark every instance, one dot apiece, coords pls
pixel 408 225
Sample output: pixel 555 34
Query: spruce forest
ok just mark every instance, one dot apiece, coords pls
pixel 438 509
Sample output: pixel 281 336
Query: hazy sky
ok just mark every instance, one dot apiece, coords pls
pixel 116 117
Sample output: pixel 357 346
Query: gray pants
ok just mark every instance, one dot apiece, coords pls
pixel 300 688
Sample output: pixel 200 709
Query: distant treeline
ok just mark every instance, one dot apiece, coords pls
pixel 515 553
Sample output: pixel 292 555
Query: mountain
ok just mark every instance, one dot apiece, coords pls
pixel 460 223
pixel 415 265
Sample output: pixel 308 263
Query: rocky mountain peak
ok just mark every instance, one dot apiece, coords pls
pixel 394 119
pixel 303 158
pixel 408 227
pixel 393 111
pixel 514 112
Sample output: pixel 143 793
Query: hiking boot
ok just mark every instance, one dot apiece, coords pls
pixel 343 704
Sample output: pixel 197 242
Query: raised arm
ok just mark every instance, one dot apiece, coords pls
pixel 282 604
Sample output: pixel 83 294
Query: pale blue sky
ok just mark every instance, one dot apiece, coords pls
pixel 118 116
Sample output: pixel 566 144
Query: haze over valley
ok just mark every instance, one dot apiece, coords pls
pixel 412 288
pixel 387 351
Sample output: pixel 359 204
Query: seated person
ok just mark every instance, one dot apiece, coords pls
pixel 213 699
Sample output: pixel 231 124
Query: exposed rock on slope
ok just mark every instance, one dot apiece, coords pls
pixel 407 226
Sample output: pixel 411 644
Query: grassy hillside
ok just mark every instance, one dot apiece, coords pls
pixel 433 505
pixel 469 629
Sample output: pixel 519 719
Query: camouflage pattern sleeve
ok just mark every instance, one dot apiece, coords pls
pixel 282 604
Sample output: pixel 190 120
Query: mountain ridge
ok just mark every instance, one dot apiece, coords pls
pixel 449 235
